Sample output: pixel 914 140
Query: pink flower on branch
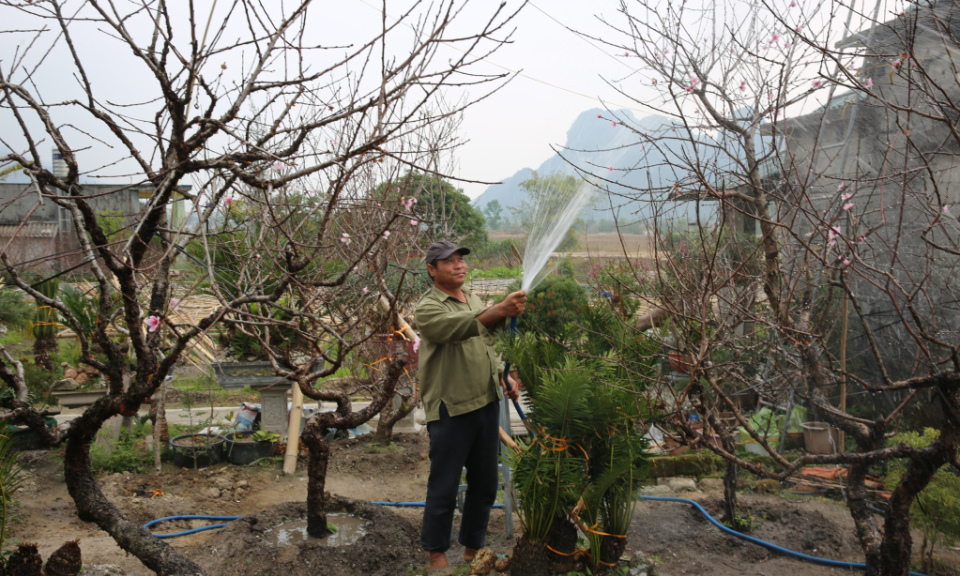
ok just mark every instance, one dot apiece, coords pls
pixel 386 233
pixel 174 303
pixel 278 166
pixel 846 262
pixel 152 322
pixel 846 196
pixel 832 234
pixel 946 208
pixel 840 187
pixel 816 84
pixel 847 206
pixel 228 201
pixel 345 238
pixel 869 83
pixel 414 222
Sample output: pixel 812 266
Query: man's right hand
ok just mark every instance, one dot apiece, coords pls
pixel 514 304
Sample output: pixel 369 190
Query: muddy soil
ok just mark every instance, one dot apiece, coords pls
pixel 362 471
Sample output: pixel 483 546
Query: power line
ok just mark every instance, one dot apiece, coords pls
pixel 527 76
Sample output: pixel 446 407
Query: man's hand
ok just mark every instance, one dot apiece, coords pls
pixel 513 391
pixel 514 304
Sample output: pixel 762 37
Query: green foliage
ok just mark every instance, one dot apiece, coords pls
pixel 12 477
pixel 553 304
pixel 550 188
pixel 497 272
pixel 444 209
pixel 587 440
pixel 265 436
pixel 15 311
pixel 113 224
pixel 39 382
pixel 129 454
pixel 493 212
pixel 83 308
pixel 936 511
pixel 45 324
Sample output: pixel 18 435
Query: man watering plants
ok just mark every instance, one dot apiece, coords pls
pixel 460 383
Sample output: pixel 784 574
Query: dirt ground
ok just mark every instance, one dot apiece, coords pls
pixel 360 472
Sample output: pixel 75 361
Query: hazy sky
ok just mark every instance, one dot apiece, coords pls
pixel 515 128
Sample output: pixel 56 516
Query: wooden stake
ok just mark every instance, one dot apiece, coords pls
pixel 506 439
pixel 293 432
pixel 843 367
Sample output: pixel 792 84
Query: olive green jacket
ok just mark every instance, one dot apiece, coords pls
pixel 458 365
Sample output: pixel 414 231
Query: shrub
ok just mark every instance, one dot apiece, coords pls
pixel 15 311
pixel 552 305
pixel 937 508
pixel 129 454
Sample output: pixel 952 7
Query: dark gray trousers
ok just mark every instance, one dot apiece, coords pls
pixel 469 440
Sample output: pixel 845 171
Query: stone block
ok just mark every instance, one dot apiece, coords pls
pixel 711 484
pixel 662 467
pixel 656 491
pixel 109 435
pixel 65 385
pixel 682 484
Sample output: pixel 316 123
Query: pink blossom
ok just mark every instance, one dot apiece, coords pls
pixel 775 38
pixel 345 238
pixel 832 234
pixel 386 233
pixel 257 256
pixel 654 81
pixel 228 201
pixel 365 290
pixel 689 88
pixel 840 187
pixel 793 4
pixel 694 80
pixel 769 95
pixel 896 64
pixel 787 45
pixel 414 222
pixel 869 83
pixel 743 85
pixel 847 206
pixel 816 84
pixel 378 204
pixel 409 202
pixel 946 208
pixel 174 303
pixel 152 323
pixel 299 211
pixel 846 262
pixel 626 54
pixel 614 124
pixel 416 344
pixel 863 238
pixel 799 29
pixel 599 116
pixel 278 166
pixel 846 196
pixel 611 168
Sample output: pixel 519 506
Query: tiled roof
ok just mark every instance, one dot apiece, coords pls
pixel 31 230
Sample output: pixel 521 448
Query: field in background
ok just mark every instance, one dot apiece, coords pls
pixel 605 244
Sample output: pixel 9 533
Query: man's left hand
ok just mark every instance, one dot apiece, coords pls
pixel 513 392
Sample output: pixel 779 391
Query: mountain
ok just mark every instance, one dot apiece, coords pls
pixel 617 154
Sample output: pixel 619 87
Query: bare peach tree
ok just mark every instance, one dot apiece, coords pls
pixel 284 140
pixel 821 265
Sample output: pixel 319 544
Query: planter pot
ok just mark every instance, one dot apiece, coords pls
pixel 79 399
pixel 243 453
pixel 677 363
pixel 187 454
pixel 820 438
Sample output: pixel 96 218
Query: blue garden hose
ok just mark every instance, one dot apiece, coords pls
pixel 506 380
pixel 420 504
pixel 190 517
pixel 765 544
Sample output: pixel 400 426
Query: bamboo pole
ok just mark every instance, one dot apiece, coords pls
pixel 293 432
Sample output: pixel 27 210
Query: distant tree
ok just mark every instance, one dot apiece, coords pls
pixel 542 189
pixel 494 214
pixel 445 211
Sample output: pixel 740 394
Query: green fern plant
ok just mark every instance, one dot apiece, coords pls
pixel 12 478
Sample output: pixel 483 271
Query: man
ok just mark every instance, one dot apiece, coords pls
pixel 460 381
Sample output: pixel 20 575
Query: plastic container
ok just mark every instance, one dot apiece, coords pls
pixel 190 456
pixel 754 447
pixel 243 453
pixel 820 438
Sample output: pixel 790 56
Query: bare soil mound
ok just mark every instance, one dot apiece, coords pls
pixel 684 539
pixel 390 546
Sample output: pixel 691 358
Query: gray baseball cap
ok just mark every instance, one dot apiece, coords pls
pixel 443 249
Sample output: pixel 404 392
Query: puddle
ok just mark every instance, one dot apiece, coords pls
pixel 349 530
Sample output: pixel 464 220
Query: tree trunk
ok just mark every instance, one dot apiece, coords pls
pixel 93 506
pixel 390 415
pixel 730 483
pixel 41 352
pixel 313 438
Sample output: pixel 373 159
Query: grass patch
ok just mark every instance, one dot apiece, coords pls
pixel 390 448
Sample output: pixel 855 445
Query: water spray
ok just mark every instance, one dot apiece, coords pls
pixel 555 210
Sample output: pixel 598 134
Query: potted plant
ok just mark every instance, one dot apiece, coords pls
pixel 195 449
pixel 247 447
